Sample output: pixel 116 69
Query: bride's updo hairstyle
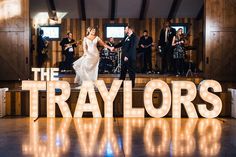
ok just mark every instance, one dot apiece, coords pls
pixel 89 29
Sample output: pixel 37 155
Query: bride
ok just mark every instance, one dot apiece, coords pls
pixel 86 67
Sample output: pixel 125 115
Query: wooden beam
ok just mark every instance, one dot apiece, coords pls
pixel 113 10
pixel 200 13
pixel 143 10
pixel 174 9
pixel 52 10
pixel 81 9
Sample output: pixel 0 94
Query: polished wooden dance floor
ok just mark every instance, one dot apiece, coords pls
pixel 117 137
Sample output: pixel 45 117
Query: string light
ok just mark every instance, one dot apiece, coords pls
pixel 128 110
pixel 210 98
pixel 33 87
pixel 186 100
pixel 52 98
pixel 108 97
pixel 87 88
pixel 148 102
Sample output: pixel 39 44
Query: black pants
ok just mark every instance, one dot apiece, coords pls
pixel 147 61
pixel 68 60
pixel 130 67
pixel 167 59
pixel 179 65
pixel 41 59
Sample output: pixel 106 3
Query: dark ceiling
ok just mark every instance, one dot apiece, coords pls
pixel 122 8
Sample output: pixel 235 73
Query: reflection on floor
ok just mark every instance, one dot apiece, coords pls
pixel 117 137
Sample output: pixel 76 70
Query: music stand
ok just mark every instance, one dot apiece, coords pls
pixel 189 72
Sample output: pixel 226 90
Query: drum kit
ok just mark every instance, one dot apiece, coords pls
pixel 110 62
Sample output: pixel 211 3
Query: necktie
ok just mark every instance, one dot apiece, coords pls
pixel 166 35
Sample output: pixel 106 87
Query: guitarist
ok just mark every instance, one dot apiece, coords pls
pixel 145 45
pixel 68 45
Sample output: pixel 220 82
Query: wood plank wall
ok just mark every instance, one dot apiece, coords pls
pixel 14 42
pixel 220 26
pixel 153 25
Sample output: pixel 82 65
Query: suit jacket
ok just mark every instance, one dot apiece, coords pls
pixel 128 44
pixel 40 44
pixel 145 42
pixel 66 41
pixel 170 35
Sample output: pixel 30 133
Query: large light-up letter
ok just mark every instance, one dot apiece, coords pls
pixel 34 87
pixel 87 88
pixel 186 100
pixel 128 110
pixel 210 98
pixel 166 101
pixel 108 97
pixel 60 100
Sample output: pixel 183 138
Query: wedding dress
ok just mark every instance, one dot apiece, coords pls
pixel 86 67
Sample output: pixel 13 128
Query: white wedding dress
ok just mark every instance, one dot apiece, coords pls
pixel 86 67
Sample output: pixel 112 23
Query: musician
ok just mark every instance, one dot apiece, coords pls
pixel 145 45
pixel 42 45
pixel 165 45
pixel 68 45
pixel 111 42
pixel 178 53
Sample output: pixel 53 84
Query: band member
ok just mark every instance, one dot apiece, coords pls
pixel 42 45
pixel 68 45
pixel 165 45
pixel 128 57
pixel 145 45
pixel 111 42
pixel 178 53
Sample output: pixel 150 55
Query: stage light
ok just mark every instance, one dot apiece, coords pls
pixel 10 9
pixel 128 110
pixel 148 102
pixel 33 87
pixel 60 100
pixel 210 98
pixel 108 97
pixel 186 100
pixel 81 106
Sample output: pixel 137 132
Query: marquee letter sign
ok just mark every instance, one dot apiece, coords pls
pixel 183 92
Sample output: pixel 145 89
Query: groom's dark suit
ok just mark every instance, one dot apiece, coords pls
pixel 128 45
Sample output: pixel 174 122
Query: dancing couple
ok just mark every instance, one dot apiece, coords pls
pixel 86 67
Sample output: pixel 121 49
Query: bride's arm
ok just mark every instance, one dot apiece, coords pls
pixel 85 47
pixel 102 43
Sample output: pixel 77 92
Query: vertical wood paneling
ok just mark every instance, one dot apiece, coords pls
pixel 18 103
pixel 219 40
pixel 78 28
pixel 153 34
pixel 8 103
pixel 14 44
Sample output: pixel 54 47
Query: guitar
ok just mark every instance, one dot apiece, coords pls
pixel 45 49
pixel 147 46
pixel 70 45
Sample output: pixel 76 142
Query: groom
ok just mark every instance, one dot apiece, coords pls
pixel 128 57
